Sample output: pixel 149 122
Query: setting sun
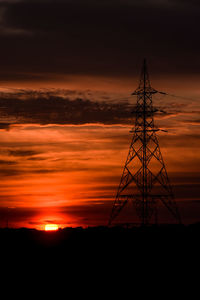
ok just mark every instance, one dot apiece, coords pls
pixel 51 227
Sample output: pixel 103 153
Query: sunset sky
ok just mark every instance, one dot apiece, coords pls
pixel 67 71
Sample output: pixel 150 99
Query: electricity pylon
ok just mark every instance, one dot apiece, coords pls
pixel 144 180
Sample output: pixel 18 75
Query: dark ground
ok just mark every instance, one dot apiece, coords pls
pixel 104 239
pixel 101 261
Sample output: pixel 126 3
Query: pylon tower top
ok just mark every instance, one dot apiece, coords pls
pixel 144 84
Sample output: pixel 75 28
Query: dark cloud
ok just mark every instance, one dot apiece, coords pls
pixel 45 109
pixel 7 162
pixel 20 172
pixel 37 158
pixel 14 215
pixel 99 37
pixel 192 121
pixel 22 153
pixel 5 126
pixel 9 172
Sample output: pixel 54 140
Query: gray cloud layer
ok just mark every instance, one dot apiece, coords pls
pixel 98 37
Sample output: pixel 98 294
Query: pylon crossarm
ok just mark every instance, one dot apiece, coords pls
pixel 141 92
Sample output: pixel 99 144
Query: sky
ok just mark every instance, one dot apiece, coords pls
pixel 67 71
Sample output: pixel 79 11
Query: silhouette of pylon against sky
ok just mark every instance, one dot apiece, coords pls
pixel 144 180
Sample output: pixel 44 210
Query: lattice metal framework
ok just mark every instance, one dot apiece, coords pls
pixel 144 180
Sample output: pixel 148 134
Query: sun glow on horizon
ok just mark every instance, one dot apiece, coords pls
pixel 51 227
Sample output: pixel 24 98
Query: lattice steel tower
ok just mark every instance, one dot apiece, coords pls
pixel 144 180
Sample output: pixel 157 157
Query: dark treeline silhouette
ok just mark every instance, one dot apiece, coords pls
pixel 97 255
pixel 85 240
